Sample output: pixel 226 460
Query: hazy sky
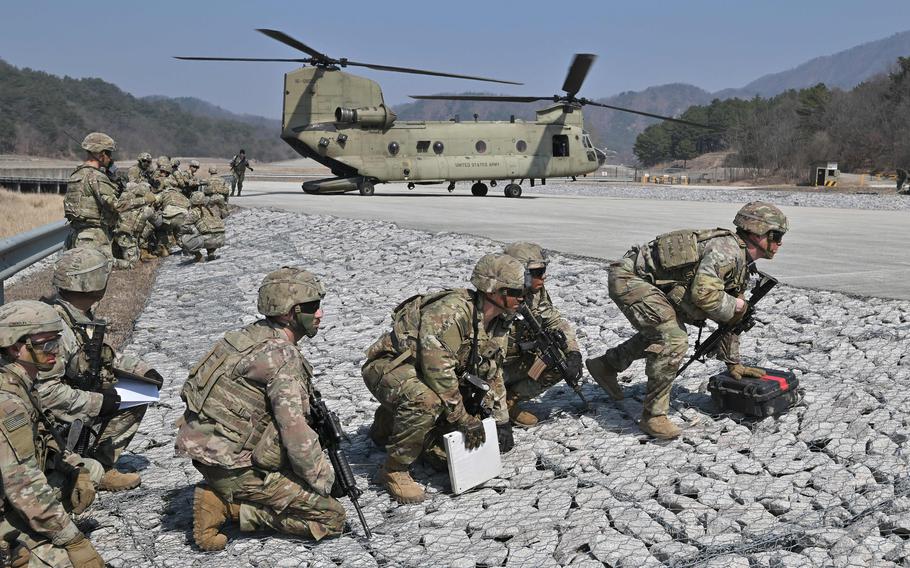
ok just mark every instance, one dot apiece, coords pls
pixel 713 44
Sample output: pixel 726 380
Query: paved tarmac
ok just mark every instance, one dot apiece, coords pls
pixel 855 251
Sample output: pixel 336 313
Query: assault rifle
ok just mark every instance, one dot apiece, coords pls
pixel 77 439
pixel 551 345
pixel 327 426
pixel 704 348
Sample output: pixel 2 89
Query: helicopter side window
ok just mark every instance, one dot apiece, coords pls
pixel 438 147
pixel 521 145
pixel 560 146
pixel 423 146
pixel 481 146
pixel 393 148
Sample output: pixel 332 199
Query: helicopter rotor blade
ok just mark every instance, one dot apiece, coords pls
pixel 661 117
pixel 577 72
pixel 296 44
pixel 425 72
pixel 491 98
pixel 241 59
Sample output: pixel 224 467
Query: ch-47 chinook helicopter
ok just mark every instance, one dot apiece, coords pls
pixel 341 121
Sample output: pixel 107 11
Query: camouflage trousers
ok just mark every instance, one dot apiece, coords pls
pixel 93 237
pixel 196 241
pixel 237 182
pixel 275 500
pixel 127 248
pixel 661 339
pixel 520 386
pixel 117 435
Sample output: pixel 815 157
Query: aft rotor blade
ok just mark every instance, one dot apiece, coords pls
pixel 577 72
pixel 491 98
pixel 296 44
pixel 241 59
pixel 661 117
pixel 425 72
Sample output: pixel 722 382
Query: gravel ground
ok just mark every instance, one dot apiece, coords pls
pixel 824 485
pixel 725 194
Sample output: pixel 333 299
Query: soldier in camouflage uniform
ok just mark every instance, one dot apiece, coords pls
pixel 682 277
pixel 204 228
pixel 216 186
pixel 138 210
pixel 246 425
pixel 419 370
pixel 239 166
pixel 142 171
pixel 191 181
pixel 523 379
pixel 163 175
pixel 170 218
pixel 37 529
pixel 80 279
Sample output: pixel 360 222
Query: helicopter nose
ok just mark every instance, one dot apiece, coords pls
pixel 601 156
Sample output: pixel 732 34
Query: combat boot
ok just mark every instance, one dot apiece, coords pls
pixel 658 426
pixel 210 512
pixel 399 483
pixel 114 480
pixel 197 256
pixel 146 256
pixel 210 257
pixel 519 417
pixel 605 376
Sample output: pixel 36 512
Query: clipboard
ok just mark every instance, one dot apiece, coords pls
pixel 470 468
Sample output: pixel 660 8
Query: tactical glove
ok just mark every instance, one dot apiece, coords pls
pixel 20 557
pixel 472 428
pixel 506 439
pixel 83 492
pixel 111 402
pixel 337 492
pixel 738 371
pixel 573 364
pixel 83 554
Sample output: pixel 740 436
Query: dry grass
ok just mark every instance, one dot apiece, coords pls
pixel 23 211
pixel 127 294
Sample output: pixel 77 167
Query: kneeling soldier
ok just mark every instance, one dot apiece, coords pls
pixel 423 371
pixel 246 425
pixel 686 276
pixel 519 369
pixel 35 511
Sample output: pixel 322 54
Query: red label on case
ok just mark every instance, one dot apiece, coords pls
pixel 781 381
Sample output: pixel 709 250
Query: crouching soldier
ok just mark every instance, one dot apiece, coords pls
pixel 246 425
pixel 424 371
pixel 686 276
pixel 522 378
pixel 138 209
pixel 204 228
pixel 80 280
pixel 37 529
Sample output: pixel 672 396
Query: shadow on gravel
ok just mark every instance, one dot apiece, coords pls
pixel 132 462
pixel 177 514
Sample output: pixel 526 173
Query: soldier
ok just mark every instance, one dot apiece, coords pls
pixel 36 512
pixel 163 175
pixel 419 371
pixel 204 228
pixel 246 423
pixel 170 218
pixel 902 176
pixel 190 179
pixel 140 202
pixel 142 171
pixel 239 166
pixel 686 276
pixel 215 186
pixel 523 381
pixel 80 280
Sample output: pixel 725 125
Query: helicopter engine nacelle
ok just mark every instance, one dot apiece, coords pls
pixel 368 117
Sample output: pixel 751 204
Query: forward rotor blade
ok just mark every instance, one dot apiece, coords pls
pixel 241 59
pixel 661 117
pixel 424 72
pixel 577 72
pixel 296 44
pixel 491 98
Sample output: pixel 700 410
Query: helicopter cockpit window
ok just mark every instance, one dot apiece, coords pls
pixel 393 148
pixel 586 141
pixel 438 147
pixel 521 145
pixel 423 146
pixel 560 146
pixel 481 146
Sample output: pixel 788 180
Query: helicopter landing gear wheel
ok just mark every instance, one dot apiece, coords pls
pixel 513 190
pixel 366 187
pixel 479 189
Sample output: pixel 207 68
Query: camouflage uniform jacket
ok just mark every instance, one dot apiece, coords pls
pixel 164 180
pixel 134 211
pixel 91 199
pixel 30 504
pixel 137 174
pixel 205 220
pixel 550 319
pixel 215 184
pixel 441 344
pixel 248 404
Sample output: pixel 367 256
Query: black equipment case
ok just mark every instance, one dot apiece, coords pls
pixel 769 395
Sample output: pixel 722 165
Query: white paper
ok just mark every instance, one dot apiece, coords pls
pixel 470 468
pixel 135 393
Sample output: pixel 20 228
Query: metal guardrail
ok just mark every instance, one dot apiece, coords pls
pixel 23 250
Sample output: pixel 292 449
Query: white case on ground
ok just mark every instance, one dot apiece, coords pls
pixel 470 468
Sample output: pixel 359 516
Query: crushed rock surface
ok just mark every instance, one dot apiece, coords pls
pixel 824 485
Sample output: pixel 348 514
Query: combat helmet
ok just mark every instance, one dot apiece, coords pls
pixel 144 157
pixel 163 162
pixel 82 269
pixel 194 163
pixel 494 272
pixel 197 198
pixel 175 163
pixel 529 253
pixel 27 317
pixel 286 287
pixel 213 170
pixel 97 142
pixel 759 217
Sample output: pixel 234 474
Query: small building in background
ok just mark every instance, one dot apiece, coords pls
pixel 824 174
